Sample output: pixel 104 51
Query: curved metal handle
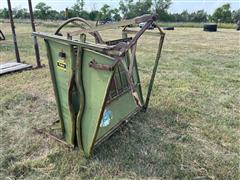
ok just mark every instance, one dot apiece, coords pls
pixel 69 21
pixel 96 34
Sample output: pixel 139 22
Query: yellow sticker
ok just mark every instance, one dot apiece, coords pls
pixel 61 64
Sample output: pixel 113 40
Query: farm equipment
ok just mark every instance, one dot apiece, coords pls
pixel 96 84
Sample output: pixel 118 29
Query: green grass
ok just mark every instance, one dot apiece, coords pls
pixel 55 24
pixel 191 129
pixel 196 25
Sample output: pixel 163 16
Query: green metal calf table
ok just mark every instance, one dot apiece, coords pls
pixel 97 84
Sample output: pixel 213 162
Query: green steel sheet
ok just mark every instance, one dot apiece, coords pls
pixel 96 84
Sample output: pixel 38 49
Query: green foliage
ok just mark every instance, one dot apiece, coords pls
pixel 115 15
pixel 93 15
pixel 185 16
pixel 72 13
pixel 4 13
pixel 199 16
pixel 78 7
pixel 223 14
pixel 130 9
pixel 22 14
pixel 105 12
pixel 236 16
pixel 161 7
pixel 42 11
pixel 84 14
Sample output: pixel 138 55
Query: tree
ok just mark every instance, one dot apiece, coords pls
pixel 115 15
pixel 72 13
pixel 223 14
pixel 62 15
pixel 105 13
pixel 81 4
pixel 199 16
pixel 53 14
pixel 22 13
pixel 4 13
pixel 93 15
pixel 130 9
pixel 124 7
pixel 78 7
pixel 84 15
pixel 160 7
pixel 42 11
pixel 185 16
pixel 236 16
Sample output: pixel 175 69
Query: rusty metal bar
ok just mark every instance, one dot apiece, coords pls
pixel 96 35
pixel 93 64
pixel 154 33
pixel 36 47
pixel 41 131
pixel 154 72
pixel 138 35
pixel 136 20
pixel 13 31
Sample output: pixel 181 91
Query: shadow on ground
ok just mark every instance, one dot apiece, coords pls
pixel 144 148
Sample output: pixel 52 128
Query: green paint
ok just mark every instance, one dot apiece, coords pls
pixel 92 103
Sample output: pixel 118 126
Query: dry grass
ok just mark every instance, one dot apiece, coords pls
pixel 190 131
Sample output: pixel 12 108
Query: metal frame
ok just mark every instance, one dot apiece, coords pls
pixel 36 47
pixel 118 50
pixel 14 35
pixel 13 31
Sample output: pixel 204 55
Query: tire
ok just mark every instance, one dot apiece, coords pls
pixel 168 28
pixel 210 27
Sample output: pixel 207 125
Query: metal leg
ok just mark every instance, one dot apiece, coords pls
pixel 36 47
pixel 13 32
pixel 154 72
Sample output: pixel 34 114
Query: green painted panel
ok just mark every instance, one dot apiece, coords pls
pixel 62 74
pixel 95 84
pixel 116 111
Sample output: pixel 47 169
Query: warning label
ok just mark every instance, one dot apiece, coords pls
pixel 61 64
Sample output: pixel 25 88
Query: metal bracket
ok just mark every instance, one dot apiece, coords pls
pixel 105 67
